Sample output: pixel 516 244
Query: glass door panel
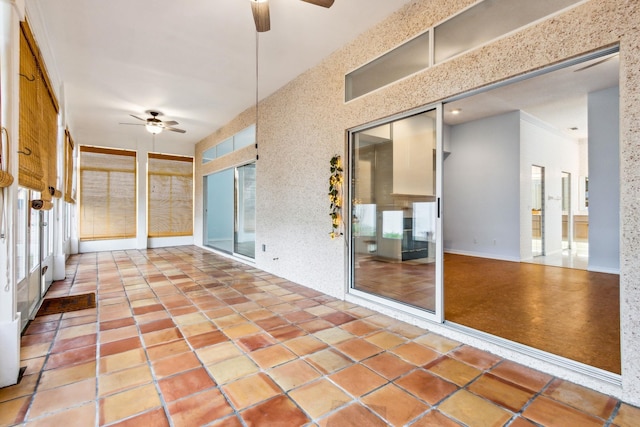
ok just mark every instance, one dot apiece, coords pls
pixel 395 240
pixel 245 228
pixel 537 210
pixel 219 210
pixel 566 211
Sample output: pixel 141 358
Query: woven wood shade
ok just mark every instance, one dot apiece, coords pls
pixel 68 168
pixel 107 193
pixel 170 198
pixel 6 179
pixel 37 119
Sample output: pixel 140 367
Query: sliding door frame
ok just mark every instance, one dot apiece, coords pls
pixel 438 314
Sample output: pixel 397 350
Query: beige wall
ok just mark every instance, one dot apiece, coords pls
pixel 304 124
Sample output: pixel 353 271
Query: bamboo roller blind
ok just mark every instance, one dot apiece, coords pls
pixel 107 193
pixel 38 121
pixel 170 195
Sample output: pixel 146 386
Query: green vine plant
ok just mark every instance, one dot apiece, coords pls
pixel 335 196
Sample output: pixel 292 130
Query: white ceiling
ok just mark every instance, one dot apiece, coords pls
pixel 194 60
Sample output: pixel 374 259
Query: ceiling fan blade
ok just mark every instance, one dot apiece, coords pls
pixel 175 130
pixel 133 124
pixel 260 10
pixel 169 122
pixel 136 117
pixel 323 3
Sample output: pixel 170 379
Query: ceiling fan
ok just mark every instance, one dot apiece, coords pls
pixel 154 125
pixel 260 9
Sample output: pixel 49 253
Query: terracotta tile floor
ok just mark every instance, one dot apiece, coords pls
pixel 182 337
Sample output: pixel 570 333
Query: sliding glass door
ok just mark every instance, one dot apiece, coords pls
pixel 229 210
pixel 395 239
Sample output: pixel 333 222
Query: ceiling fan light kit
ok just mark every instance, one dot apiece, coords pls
pixel 154 125
pixel 260 10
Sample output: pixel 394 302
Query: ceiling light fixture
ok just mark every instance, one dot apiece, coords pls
pixel 456 111
pixel 154 128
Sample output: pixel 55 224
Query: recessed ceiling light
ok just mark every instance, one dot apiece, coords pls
pixel 456 111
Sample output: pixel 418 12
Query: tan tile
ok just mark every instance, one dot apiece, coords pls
pixel 426 386
pixel 550 413
pixel 251 390
pixel 358 380
pixel 279 411
pixel 121 361
pixel 33 351
pixel 521 375
pixel 229 320
pixel 501 392
pixel 319 398
pixel 394 405
pixel 63 376
pixel 124 379
pixel 386 340
pixel 127 403
pixel 293 374
pixel 218 353
pixel 333 336
pixel 199 409
pixel 354 415
pixel 329 360
pixel 169 349
pixel 76 331
pixel 189 318
pixel 415 353
pixel 473 410
pixel 197 328
pixel 407 331
pixel 452 370
pixel 231 369
pixel 437 342
pixel 241 330
pixel 54 400
pixel 581 398
pixel 80 416
pixel 272 356
pixel 627 416
pixel 305 345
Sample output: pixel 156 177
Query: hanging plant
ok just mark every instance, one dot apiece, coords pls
pixel 335 196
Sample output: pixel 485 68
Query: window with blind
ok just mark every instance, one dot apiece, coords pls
pixel 38 123
pixel 69 191
pixel 170 201
pixel 107 193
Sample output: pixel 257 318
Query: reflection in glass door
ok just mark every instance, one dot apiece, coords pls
pixel 537 210
pixel 394 239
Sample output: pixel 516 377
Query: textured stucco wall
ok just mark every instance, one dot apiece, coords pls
pixel 303 124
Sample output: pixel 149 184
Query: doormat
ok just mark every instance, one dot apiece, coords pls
pixel 65 304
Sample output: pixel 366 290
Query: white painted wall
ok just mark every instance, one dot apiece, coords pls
pixel 542 145
pixel 481 188
pixel 604 181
